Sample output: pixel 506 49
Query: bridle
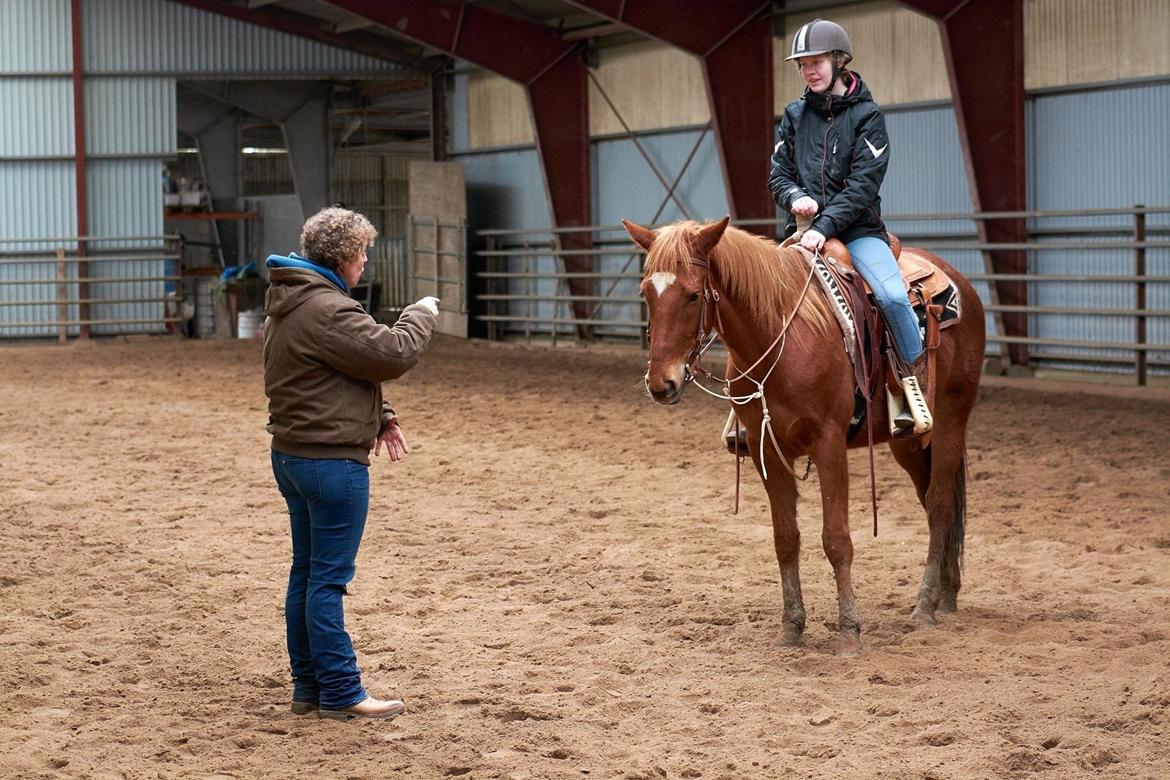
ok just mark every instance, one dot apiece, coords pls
pixel 705 336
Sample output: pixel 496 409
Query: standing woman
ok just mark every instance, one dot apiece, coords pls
pixel 829 161
pixel 324 363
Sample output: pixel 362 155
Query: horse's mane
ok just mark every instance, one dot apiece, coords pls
pixel 761 276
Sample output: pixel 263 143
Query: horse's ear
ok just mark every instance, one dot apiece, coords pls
pixel 709 235
pixel 643 237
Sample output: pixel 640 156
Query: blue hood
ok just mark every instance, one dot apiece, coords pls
pixel 296 261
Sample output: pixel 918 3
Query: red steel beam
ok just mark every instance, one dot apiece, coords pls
pixel 549 68
pixel 552 73
pixel 733 38
pixel 82 181
pixel 307 27
pixel 984 47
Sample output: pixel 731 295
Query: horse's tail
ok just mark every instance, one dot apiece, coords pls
pixel 953 555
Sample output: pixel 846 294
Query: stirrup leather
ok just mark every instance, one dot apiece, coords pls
pixel 916 403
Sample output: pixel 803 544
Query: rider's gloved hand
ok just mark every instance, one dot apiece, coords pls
pixel 431 303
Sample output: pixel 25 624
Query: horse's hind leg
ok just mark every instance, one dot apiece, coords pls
pixel 939 476
pixel 917 463
pixel 781 489
pixel 950 571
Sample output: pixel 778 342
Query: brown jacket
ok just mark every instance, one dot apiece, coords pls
pixel 324 362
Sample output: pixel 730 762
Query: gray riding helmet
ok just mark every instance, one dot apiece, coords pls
pixel 820 36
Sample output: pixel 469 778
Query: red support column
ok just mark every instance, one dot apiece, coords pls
pixel 734 41
pixel 984 47
pixel 82 181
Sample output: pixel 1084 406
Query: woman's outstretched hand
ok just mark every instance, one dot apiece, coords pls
pixel 395 441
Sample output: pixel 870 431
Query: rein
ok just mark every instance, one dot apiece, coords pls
pixel 693 369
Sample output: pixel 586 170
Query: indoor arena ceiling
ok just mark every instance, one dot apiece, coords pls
pixel 396 110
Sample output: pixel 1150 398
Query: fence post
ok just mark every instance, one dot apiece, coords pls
pixel 62 296
pixel 1139 270
pixel 528 315
pixel 490 285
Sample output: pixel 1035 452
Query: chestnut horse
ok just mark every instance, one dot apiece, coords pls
pixel 782 339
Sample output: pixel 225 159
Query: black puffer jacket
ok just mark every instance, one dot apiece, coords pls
pixel 835 150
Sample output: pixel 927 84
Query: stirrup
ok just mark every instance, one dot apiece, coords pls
pixel 734 435
pixel 923 421
pixel 901 421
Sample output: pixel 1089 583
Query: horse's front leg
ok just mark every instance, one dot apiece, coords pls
pixel 781 489
pixel 829 454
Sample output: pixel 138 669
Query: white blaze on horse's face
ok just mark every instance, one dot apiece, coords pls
pixel 662 280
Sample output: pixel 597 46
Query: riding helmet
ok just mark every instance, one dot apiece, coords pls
pixel 820 36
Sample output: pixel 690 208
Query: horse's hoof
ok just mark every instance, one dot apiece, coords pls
pixel 948 603
pixel 792 635
pixel 923 616
pixel 849 642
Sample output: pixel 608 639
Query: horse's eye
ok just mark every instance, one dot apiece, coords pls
pixel 694 297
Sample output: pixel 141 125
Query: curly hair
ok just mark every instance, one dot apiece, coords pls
pixel 335 235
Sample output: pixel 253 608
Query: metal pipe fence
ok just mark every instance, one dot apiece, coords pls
pixel 88 285
pixel 1079 292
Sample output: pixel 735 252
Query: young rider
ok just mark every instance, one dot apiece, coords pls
pixel 828 164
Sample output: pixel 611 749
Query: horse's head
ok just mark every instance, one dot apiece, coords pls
pixel 678 298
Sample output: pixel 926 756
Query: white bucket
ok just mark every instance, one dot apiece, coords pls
pixel 248 323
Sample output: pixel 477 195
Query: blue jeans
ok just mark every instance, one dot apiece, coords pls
pixel 875 262
pixel 327 505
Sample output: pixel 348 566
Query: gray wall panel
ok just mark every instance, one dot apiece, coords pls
pixel 155 36
pixel 37 117
pixel 1082 158
pixel 125 199
pixel 39 201
pixel 130 116
pixel 506 190
pixel 625 187
pixel 35 36
pixel 926 173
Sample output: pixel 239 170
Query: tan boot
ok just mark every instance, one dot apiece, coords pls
pixel 368 707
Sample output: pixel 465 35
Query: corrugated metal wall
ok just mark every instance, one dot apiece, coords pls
pixel 624 187
pixel 653 86
pixel 37 120
pixel 133 52
pixel 130 116
pixel 35 37
pixel 1089 41
pixel 38 201
pixel 1102 148
pixel 155 36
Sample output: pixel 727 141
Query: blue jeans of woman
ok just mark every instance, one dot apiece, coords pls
pixel 327 505
pixel 875 262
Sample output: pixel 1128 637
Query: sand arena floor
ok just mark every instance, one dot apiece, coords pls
pixel 556 585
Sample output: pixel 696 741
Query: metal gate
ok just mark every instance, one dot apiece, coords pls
pixel 83 286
